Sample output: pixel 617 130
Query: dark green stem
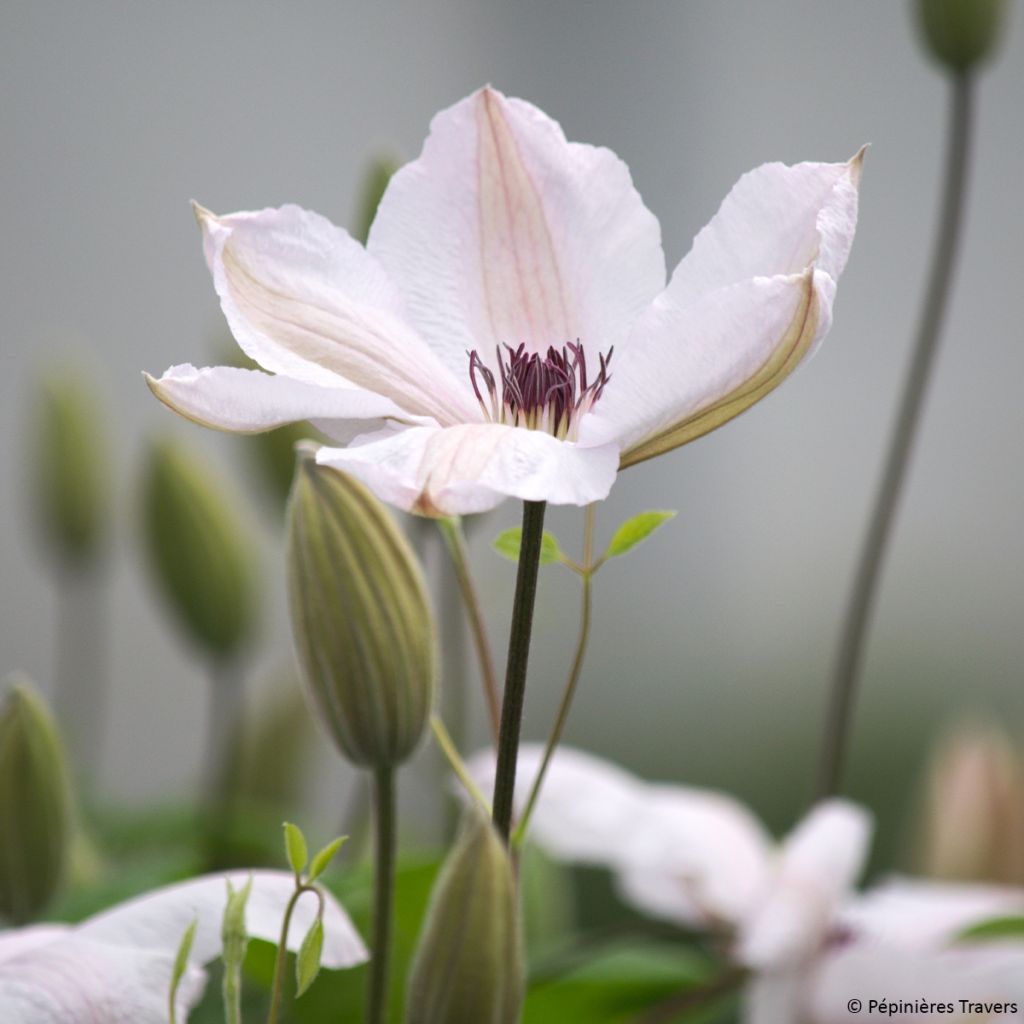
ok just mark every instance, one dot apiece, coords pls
pixel 515 671
pixel 865 587
pixel 384 894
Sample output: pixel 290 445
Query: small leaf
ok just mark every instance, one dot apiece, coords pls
pixel 995 928
pixel 181 963
pixel 307 963
pixel 323 858
pixel 635 530
pixel 509 541
pixel 295 845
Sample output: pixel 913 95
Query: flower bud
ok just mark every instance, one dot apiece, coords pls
pixel 71 474
pixel 363 629
pixel 201 559
pixel 35 806
pixel 469 960
pixel 973 827
pixel 960 33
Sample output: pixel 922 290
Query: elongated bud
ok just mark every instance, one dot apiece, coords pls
pixel 973 828
pixel 375 180
pixel 363 629
pixel 198 549
pixel 71 470
pixel 35 805
pixel 469 961
pixel 961 33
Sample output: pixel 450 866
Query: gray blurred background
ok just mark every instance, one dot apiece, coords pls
pixel 714 641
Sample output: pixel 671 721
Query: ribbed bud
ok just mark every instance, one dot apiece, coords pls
pixel 973 828
pixel 35 806
pixel 363 629
pixel 469 960
pixel 960 33
pixel 71 471
pixel 198 549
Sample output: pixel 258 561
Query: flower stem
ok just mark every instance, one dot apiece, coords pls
pixel 451 530
pixel 865 586
pixel 587 571
pixel 277 992
pixel 515 672
pixel 455 762
pixel 384 893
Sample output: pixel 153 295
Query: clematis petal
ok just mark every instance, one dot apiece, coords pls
pixel 818 864
pixel 16 941
pixel 502 232
pixel 77 981
pixel 158 919
pixel 250 401
pixel 473 467
pixel 750 302
pixel 306 301
pixel 586 807
pixel 920 913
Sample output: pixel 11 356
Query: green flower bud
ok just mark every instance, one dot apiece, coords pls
pixel 198 550
pixel 375 181
pixel 469 960
pixel 960 33
pixel 71 472
pixel 35 806
pixel 363 629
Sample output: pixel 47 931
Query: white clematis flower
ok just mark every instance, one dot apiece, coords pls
pixel 116 967
pixel 508 330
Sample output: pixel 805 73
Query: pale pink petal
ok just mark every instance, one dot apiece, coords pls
pixel 587 806
pixel 305 300
pixel 250 401
pixel 502 232
pixel 78 981
pixel 16 941
pixel 817 866
pixel 752 300
pixel 158 919
pixel 694 856
pixel 920 913
pixel 473 467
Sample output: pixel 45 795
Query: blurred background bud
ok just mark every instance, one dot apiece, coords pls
pixel 35 805
pixel 200 552
pixel 71 472
pixel 961 33
pixel 375 180
pixel 973 815
pixel 363 629
pixel 469 961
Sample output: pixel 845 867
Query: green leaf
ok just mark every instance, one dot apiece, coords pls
pixel 323 858
pixel 635 530
pixel 181 963
pixel 508 543
pixel 1011 927
pixel 307 963
pixel 295 845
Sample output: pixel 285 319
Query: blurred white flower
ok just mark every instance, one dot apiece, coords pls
pixel 468 349
pixel 116 967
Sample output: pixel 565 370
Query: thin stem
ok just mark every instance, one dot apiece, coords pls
pixel 865 586
pixel 586 577
pixel 451 530
pixel 384 894
pixel 515 672
pixel 277 992
pixel 454 759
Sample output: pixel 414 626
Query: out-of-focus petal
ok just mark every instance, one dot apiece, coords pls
pixel 16 941
pixel 305 300
pixel 472 468
pixel 587 806
pixel 502 232
pixel 250 401
pixel 75 980
pixel 695 857
pixel 917 913
pixel 775 998
pixel 818 864
pixel 751 301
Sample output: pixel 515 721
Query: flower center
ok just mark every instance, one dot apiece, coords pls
pixel 540 392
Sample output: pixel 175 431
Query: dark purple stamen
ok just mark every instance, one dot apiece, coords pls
pixel 548 392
